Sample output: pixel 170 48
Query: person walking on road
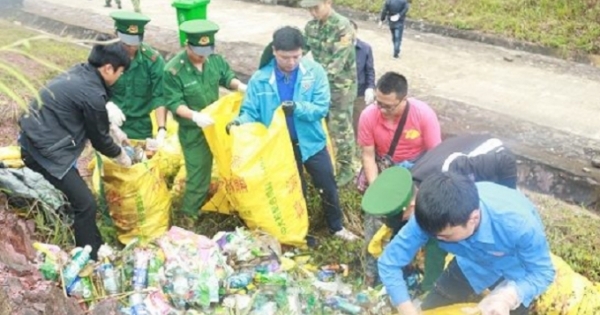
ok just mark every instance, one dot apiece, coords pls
pixel 394 11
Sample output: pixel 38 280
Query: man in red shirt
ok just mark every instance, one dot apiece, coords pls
pixel 377 126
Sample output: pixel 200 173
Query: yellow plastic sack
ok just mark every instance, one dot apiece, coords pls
pixel 569 294
pixel 259 170
pixel 169 157
pixel 10 156
pixel 138 200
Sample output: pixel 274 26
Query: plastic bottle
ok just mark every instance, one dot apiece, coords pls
pixel 49 255
pixel 140 269
pixel 109 277
pixel 239 281
pixel 347 307
pixel 138 307
pixel 79 260
pixel 180 289
pixel 154 266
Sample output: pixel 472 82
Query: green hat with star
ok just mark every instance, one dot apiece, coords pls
pixel 200 35
pixel 130 26
pixel 390 193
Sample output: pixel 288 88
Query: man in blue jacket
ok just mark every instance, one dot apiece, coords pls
pixel 301 88
pixel 494 232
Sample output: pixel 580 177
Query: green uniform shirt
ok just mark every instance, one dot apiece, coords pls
pixel 139 91
pixel 332 45
pixel 186 85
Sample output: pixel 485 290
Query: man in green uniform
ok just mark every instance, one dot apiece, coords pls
pixel 330 37
pixel 139 90
pixel 192 80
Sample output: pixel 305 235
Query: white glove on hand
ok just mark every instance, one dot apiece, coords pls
pixel 501 300
pixel 380 24
pixel 115 114
pixel 202 120
pixel 123 159
pixel 369 96
pixel 118 135
pixel 242 87
pixel 160 136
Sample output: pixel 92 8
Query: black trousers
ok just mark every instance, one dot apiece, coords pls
pixel 452 288
pixel 320 169
pixel 81 203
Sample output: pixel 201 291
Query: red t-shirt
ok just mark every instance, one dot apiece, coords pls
pixel 420 134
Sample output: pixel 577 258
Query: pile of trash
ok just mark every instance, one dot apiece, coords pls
pixel 181 272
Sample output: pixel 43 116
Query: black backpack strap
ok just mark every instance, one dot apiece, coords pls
pixel 398 131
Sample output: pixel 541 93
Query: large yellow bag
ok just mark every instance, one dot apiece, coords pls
pixel 456 309
pixel 11 156
pixel 137 198
pixel 259 170
pixel 569 294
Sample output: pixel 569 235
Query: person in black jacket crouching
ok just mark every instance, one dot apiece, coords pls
pixel 54 132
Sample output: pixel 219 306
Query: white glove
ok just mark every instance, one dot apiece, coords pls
pixel 242 87
pixel 369 96
pixel 380 24
pixel 123 159
pixel 202 120
pixel 501 300
pixel 160 136
pixel 118 135
pixel 115 114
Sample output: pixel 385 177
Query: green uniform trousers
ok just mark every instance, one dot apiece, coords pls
pixel 198 166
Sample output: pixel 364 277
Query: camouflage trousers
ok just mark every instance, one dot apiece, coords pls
pixel 342 134
pixel 371 225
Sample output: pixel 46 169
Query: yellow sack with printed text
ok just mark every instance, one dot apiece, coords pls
pixel 137 198
pixel 258 168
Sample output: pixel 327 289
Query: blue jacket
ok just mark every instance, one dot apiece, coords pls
pixel 509 243
pixel 311 95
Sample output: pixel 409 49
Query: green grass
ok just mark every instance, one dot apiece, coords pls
pixel 567 25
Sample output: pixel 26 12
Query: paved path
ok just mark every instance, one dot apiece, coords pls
pixel 541 90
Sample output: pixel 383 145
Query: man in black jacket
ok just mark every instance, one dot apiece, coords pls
pixel 395 12
pixel 55 132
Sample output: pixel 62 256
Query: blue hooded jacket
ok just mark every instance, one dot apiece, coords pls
pixel 311 96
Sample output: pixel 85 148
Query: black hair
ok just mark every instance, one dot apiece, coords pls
pixel 354 24
pixel 288 38
pixel 113 53
pixel 393 82
pixel 445 200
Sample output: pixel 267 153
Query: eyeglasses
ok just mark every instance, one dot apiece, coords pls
pixel 387 107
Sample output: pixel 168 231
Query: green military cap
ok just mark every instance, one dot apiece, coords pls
pixel 390 193
pixel 310 3
pixel 200 36
pixel 130 26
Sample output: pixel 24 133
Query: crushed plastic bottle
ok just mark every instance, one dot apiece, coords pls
pixel 138 307
pixel 181 288
pixel 239 281
pixel 107 271
pixel 140 269
pixel 79 260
